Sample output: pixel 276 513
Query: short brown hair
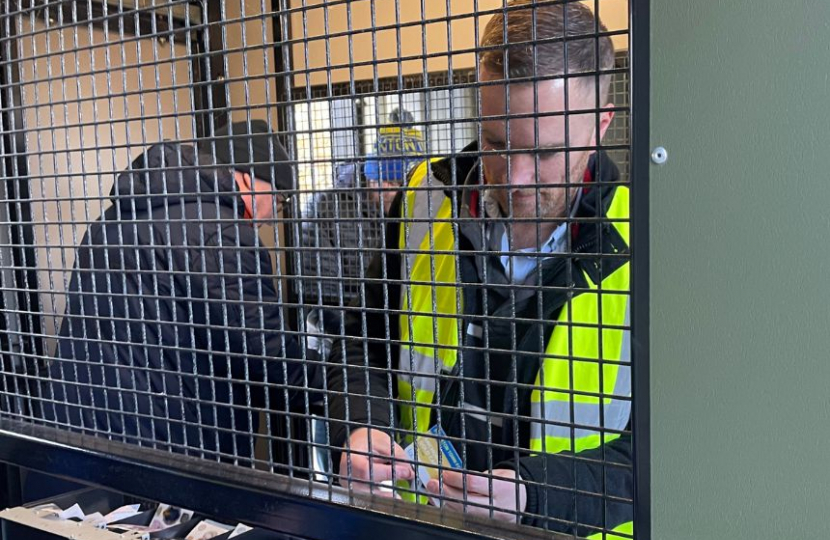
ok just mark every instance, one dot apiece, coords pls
pixel 569 20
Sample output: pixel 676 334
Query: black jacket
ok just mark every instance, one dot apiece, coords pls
pixel 562 489
pixel 170 309
pixel 340 234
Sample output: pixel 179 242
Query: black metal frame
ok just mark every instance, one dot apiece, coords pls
pixel 266 500
pixel 209 99
pixel 10 482
pixel 21 234
pixel 19 208
pixel 281 28
pixel 639 11
pixel 210 66
pixel 282 64
pixel 254 497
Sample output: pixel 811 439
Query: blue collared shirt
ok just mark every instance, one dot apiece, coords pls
pixel 518 267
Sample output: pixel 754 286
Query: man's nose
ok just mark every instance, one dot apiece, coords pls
pixel 522 169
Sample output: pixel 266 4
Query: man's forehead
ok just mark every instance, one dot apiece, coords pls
pixel 545 95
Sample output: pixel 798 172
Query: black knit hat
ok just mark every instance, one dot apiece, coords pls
pixel 255 151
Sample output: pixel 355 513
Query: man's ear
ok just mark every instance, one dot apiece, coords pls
pixel 605 119
pixel 247 181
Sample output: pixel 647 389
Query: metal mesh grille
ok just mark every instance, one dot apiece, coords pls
pixel 338 137
pixel 404 229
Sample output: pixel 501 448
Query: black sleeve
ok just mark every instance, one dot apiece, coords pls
pixel 359 368
pixel 246 313
pixel 593 488
pixel 332 229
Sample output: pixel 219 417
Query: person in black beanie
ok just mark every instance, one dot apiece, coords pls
pixel 173 322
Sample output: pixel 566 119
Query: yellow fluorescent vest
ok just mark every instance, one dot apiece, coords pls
pixel 584 382
pixel 583 386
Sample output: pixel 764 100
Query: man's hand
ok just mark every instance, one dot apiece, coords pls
pixel 358 469
pixel 506 500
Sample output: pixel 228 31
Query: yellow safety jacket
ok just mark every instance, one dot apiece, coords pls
pixel 583 385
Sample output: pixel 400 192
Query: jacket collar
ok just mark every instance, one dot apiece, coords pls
pixel 463 170
pixel 169 174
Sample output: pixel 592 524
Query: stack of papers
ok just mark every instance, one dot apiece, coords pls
pixel 165 516
pixel 74 512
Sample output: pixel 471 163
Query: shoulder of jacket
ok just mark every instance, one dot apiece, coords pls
pixel 454 169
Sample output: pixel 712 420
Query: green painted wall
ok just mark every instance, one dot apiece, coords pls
pixel 740 269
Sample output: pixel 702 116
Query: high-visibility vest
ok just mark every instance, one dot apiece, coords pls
pixel 626 532
pixel 583 386
pixel 572 379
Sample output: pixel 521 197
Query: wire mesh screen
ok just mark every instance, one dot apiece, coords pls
pixel 377 245
pixel 339 137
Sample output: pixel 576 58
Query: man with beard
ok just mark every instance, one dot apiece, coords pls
pixel 506 267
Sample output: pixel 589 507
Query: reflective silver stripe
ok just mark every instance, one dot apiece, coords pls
pixel 417 369
pixel 475 330
pixel 482 415
pixel 622 387
pixel 419 230
pixel 615 414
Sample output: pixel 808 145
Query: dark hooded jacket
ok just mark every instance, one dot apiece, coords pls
pixel 172 321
